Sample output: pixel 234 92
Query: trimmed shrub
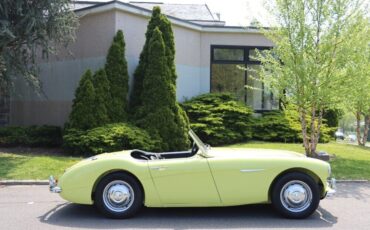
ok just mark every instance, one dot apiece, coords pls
pixel 161 21
pixel 32 136
pixel 102 98
pixel 116 69
pixel 83 111
pixel 219 119
pixel 159 113
pixel 276 126
pixel 284 126
pixel 108 138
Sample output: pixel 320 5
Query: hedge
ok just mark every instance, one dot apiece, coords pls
pixel 108 138
pixel 31 136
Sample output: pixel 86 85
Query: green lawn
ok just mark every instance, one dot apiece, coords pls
pixel 32 166
pixel 350 162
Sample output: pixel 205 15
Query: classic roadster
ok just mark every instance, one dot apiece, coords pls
pixel 120 183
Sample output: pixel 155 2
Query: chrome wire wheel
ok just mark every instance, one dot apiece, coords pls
pixel 118 196
pixel 296 196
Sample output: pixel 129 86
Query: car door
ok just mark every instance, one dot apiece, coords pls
pixel 184 181
pixel 241 181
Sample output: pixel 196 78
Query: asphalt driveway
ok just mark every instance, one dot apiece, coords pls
pixel 33 207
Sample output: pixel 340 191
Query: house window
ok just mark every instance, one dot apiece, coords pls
pixel 227 77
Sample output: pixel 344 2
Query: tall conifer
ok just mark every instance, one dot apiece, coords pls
pixel 116 70
pixel 163 117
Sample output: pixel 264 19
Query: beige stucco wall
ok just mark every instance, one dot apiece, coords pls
pixel 61 73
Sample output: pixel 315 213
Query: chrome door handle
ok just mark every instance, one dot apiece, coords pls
pixel 159 168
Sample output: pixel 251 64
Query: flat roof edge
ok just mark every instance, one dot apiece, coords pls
pixel 111 5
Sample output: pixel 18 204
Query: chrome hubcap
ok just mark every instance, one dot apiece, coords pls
pixel 118 196
pixel 296 196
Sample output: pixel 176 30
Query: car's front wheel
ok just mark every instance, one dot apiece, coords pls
pixel 295 195
pixel 118 195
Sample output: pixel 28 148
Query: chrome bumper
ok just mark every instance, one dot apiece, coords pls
pixel 53 185
pixel 332 185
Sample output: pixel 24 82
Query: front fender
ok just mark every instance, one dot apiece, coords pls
pixel 78 182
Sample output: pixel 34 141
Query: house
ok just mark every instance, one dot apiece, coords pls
pixel 207 56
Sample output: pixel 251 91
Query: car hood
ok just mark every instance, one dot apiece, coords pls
pixel 253 153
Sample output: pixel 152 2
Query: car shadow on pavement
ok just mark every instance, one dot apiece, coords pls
pixel 251 216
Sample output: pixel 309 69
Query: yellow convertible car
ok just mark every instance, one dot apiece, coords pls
pixel 120 183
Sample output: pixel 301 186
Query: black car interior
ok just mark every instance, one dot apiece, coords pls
pixel 144 155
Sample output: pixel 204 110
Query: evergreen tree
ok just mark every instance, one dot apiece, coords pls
pixel 157 20
pixel 163 117
pixel 102 97
pixel 83 111
pixel 116 70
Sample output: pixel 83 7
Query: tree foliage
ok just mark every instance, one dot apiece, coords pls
pixel 306 64
pixel 28 27
pixel 157 20
pixel 357 68
pixel 83 111
pixel 89 109
pixel 116 69
pixel 102 98
pixel 159 112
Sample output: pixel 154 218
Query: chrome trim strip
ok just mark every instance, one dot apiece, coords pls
pixel 251 170
pixel 160 168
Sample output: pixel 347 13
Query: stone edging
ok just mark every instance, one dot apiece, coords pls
pixel 46 182
pixel 24 182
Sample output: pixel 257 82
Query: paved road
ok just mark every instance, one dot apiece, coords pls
pixel 33 207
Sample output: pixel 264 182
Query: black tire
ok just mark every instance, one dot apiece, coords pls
pixel 119 179
pixel 295 179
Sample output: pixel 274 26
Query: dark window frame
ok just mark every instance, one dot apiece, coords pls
pixel 245 63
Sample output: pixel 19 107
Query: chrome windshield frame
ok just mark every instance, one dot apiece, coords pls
pixel 202 147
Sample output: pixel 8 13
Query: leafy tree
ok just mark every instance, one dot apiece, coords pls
pixel 116 69
pixel 307 60
pixel 358 76
pixel 83 111
pixel 160 114
pixel 157 20
pixel 28 27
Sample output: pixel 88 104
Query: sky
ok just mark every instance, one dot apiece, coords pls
pixel 234 12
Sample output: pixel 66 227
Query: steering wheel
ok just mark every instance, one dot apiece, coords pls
pixel 194 149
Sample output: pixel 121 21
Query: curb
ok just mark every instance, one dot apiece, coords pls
pixel 24 182
pixel 46 182
pixel 352 181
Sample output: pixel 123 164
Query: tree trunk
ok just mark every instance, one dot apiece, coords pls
pixel 306 144
pixel 358 128
pixel 313 131
pixel 366 129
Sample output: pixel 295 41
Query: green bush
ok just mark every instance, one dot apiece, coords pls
pixel 276 126
pixel 32 136
pixel 108 138
pixel 219 119
pixel 284 126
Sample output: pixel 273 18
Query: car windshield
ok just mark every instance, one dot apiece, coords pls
pixel 202 147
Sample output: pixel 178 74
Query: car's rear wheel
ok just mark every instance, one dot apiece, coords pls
pixel 295 195
pixel 118 195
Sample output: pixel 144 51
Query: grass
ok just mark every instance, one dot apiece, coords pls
pixel 350 162
pixel 33 166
